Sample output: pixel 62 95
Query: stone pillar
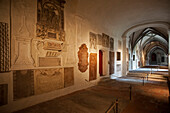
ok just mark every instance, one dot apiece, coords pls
pixel 124 63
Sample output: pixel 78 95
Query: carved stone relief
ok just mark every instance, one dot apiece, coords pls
pixel 99 39
pixel 93 66
pixel 4 48
pixel 53 46
pixel 111 44
pixel 46 49
pixel 105 40
pixel 3 94
pixel 47 80
pixel 49 61
pixel 23 31
pixel 93 42
pixel 23 83
pixel 68 76
pixel 119 45
pixel 50 34
pixel 83 58
pixel 52 54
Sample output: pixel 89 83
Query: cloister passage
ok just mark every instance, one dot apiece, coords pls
pixel 146 46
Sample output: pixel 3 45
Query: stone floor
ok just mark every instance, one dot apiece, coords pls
pixel 150 98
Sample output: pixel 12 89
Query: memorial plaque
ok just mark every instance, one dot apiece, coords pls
pixel 93 66
pixel 3 94
pixel 23 83
pixel 83 58
pixel 99 39
pixel 111 44
pixel 47 80
pixel 119 45
pixel 111 65
pixel 49 61
pixel 105 40
pixel 118 68
pixel 93 42
pixel 68 76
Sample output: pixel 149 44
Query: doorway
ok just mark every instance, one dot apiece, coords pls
pixel 100 62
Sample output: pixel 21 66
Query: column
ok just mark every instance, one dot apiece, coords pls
pixel 124 63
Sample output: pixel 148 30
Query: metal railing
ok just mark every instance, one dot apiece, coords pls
pixel 114 107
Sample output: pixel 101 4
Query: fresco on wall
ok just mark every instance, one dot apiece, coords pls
pixel 50 19
pixel 23 83
pixel 111 62
pixel 99 39
pixel 93 42
pixel 105 40
pixel 68 76
pixel 4 48
pixel 119 45
pixel 3 94
pixel 93 66
pixel 49 61
pixel 111 44
pixel 83 58
pixel 47 80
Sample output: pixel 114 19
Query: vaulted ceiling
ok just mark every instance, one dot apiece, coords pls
pixel 119 15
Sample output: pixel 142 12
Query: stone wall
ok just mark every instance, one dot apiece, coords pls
pixel 44 52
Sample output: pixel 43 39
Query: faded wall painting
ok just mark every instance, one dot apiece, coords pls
pixel 68 76
pixel 4 48
pixel 111 44
pixel 49 61
pixel 119 45
pixel 111 62
pixel 93 66
pixel 47 80
pixel 50 19
pixel 99 39
pixel 23 83
pixel 93 42
pixel 105 40
pixel 83 58
pixel 3 94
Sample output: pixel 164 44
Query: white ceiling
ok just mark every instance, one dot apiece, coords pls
pixel 119 15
